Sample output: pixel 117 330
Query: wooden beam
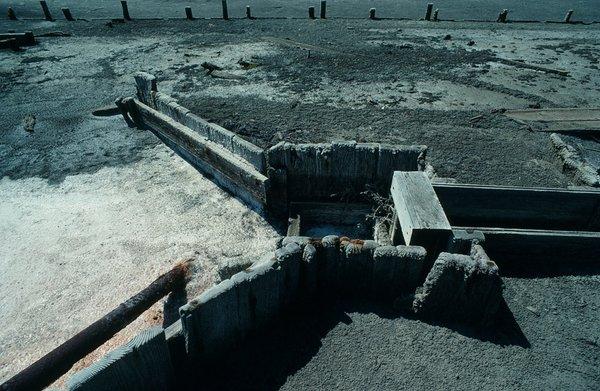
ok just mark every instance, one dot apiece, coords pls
pixel 54 364
pixel 521 64
pixel 556 114
pixel 515 207
pixel 516 249
pixel 22 39
pixel 420 214
pixel 330 212
pixel 228 170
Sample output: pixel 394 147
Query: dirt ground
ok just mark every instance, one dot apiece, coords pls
pixel 93 211
pixel 547 339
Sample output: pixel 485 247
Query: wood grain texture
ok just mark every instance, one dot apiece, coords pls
pixel 555 114
pixel 513 248
pixel 418 209
pixel 232 173
pixel 142 364
pixel 514 207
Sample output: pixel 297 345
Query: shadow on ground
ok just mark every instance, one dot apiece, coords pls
pixel 266 360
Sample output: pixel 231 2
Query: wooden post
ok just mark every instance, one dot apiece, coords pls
pixel 188 13
pixel 502 17
pixel 428 12
pixel 125 10
pixel 11 14
pixel 54 364
pixel 323 9
pixel 225 13
pixel 372 13
pixel 294 226
pixel 435 15
pixel 311 12
pixel 46 11
pixel 248 12
pixel 67 13
pixel 568 16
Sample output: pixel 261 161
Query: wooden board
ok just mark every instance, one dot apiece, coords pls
pixel 518 249
pixel 419 212
pixel 514 207
pixel 142 363
pixel 555 115
pixel 232 173
pixel 574 127
pixel 330 212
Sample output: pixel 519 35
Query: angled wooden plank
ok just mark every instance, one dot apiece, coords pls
pixel 419 212
pixel 229 171
pixel 520 207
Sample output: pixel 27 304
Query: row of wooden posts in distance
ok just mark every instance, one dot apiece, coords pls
pixel 430 14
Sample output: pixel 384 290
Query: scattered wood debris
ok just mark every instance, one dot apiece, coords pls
pixel 559 119
pixel 583 172
pixel 225 75
pixel 210 67
pixel 29 123
pixel 523 64
pixel 55 34
pixel 247 64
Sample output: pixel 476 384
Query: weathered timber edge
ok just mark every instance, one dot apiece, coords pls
pixel 296 172
pixel 583 172
pixel 229 171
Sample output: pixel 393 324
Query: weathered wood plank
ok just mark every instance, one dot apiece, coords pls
pixel 330 212
pixel 22 39
pixel 143 363
pixel 420 214
pixel 514 207
pixel 293 226
pixel 232 173
pixel 555 114
pixel 514 249
pixel 51 366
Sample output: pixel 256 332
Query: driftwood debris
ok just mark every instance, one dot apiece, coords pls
pixel 522 64
pixel 51 366
pixel 561 120
pixel 210 67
